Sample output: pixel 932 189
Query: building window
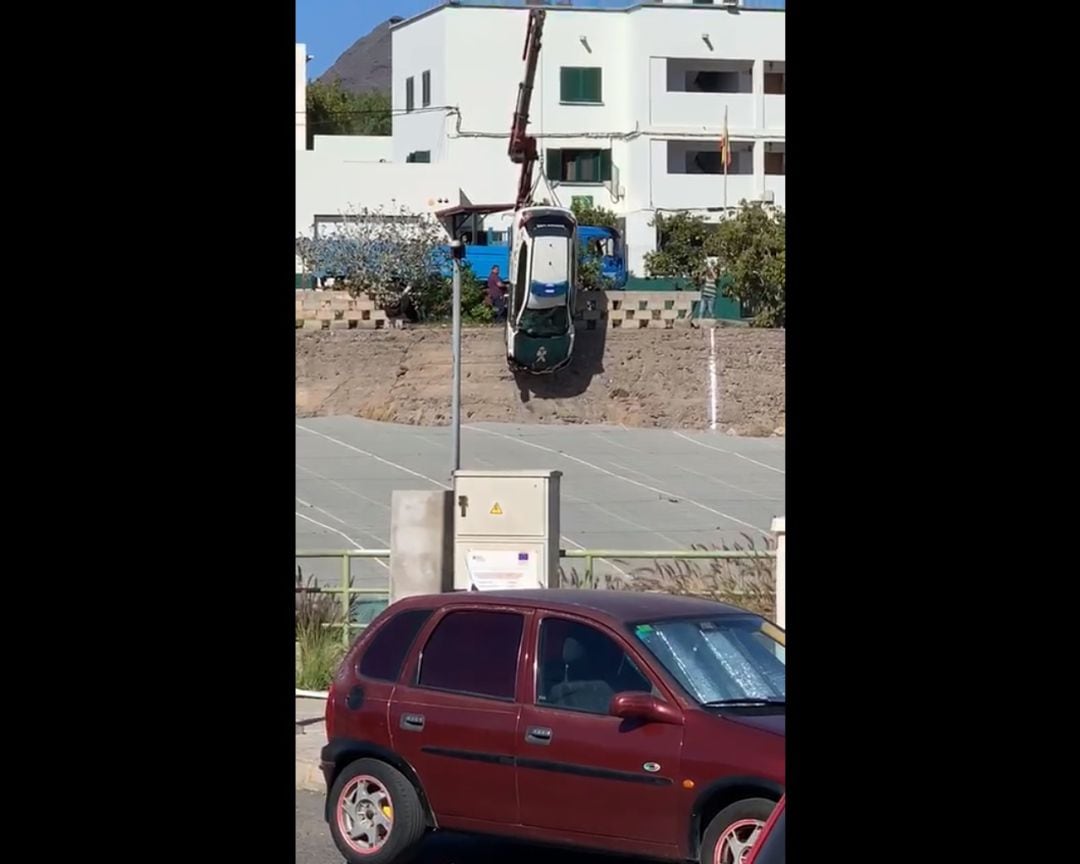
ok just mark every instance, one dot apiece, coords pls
pixel 692 75
pixel 699 157
pixel 419 156
pixel 475 653
pixel 385 655
pixel 409 95
pixel 775 77
pixel 425 89
pixel 580 84
pixel 775 163
pixel 579 166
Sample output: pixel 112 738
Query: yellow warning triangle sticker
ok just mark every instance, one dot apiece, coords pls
pixel 496 510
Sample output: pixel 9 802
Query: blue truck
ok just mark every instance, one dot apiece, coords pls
pixel 604 244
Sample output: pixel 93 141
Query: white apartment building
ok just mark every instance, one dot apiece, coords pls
pixel 628 108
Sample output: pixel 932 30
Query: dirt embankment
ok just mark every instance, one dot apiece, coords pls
pixel 637 378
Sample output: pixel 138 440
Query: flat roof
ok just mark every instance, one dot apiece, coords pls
pixel 591 6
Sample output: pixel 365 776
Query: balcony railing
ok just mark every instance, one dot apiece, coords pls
pixel 697 110
pixel 700 191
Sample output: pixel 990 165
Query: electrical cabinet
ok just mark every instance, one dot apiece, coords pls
pixel 506 529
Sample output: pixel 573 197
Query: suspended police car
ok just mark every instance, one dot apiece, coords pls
pixel 540 299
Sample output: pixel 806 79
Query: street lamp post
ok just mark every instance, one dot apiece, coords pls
pixel 457 252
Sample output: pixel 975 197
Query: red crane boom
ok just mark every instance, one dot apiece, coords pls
pixel 522 145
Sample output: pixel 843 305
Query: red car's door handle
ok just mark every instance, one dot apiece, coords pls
pixel 538 735
pixel 412 722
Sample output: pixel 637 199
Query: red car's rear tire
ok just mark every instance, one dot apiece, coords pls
pixel 375 814
pixel 733 831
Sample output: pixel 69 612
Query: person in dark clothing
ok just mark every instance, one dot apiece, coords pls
pixel 496 293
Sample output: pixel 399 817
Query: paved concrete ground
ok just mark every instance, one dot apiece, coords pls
pixel 621 488
pixel 314 846
pixel 313 843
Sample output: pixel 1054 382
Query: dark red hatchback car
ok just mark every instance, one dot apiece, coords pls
pixel 636 723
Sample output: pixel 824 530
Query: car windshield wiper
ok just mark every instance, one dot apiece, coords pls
pixel 724 703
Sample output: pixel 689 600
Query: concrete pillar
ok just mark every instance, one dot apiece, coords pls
pixel 757 87
pixel 301 96
pixel 640 237
pixel 759 169
pixel 421 543
pixel 778 527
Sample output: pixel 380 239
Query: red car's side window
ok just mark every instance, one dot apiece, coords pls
pixel 581 668
pixel 474 653
pixel 384 657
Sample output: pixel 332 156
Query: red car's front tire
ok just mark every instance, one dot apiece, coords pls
pixel 734 830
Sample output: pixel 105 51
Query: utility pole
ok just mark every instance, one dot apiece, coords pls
pixel 457 252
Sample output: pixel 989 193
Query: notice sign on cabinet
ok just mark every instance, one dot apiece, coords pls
pixel 501 570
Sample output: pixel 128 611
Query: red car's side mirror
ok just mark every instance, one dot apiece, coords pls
pixel 643 706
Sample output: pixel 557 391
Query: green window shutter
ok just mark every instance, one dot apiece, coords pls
pixel 580 84
pixel 408 94
pixel 591 89
pixel 554 164
pixel 605 165
pixel 569 84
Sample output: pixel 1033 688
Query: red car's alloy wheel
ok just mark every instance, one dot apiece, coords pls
pixel 735 843
pixel 365 814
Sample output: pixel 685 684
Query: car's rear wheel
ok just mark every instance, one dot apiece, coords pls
pixel 375 814
pixel 734 830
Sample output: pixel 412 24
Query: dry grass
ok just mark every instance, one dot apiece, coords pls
pixel 745 582
pixel 320 646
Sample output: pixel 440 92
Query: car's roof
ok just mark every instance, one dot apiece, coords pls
pixel 618 605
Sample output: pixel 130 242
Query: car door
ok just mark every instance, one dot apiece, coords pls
pixel 454 716
pixel 579 768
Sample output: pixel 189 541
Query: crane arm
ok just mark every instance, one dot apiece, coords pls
pixel 522 145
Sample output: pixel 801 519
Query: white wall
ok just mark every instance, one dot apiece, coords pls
pixel 422 46
pixel 486 68
pixel 301 96
pixel 330 186
pixel 356 148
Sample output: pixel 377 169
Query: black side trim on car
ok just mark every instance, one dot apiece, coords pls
pixel 589 771
pixel 544 765
pixel 469 755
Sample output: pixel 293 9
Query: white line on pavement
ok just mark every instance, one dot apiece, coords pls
pixel 625 479
pixel 729 452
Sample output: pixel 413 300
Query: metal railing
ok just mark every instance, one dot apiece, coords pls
pixel 345 588
pixel 347 591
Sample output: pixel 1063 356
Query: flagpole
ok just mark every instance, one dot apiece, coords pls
pixel 724 156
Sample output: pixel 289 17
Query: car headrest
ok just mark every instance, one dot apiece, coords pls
pixel 572 650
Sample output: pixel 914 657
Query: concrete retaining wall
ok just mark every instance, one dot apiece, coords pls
pixel 625 310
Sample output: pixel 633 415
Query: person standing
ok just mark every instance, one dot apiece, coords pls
pixel 496 293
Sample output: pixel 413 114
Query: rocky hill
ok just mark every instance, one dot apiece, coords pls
pixel 365 66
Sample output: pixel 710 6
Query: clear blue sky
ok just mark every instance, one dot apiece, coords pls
pixel 329 27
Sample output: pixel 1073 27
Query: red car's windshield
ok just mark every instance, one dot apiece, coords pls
pixel 721 660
